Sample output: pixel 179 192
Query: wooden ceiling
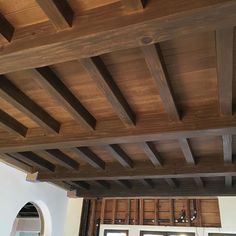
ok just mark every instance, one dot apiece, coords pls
pixel 120 98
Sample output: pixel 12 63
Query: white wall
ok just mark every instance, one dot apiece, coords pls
pixel 53 201
pixel 228 221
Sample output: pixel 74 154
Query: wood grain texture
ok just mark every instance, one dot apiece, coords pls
pixel 224 48
pixel 186 149
pixel 152 153
pixel 156 65
pixel 119 154
pixel 6 29
pixel 102 77
pixel 133 5
pixel 59 13
pixel 58 90
pixel 89 156
pixel 12 125
pixel 18 99
pixel 79 184
pixel 34 160
pixel 144 171
pixel 227 148
pixel 63 159
pixel 177 22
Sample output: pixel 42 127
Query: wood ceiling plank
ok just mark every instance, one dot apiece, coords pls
pixel 148 183
pixel 119 154
pixel 19 100
pixel 104 184
pixel 124 183
pixel 80 184
pixel 224 48
pixel 171 182
pixel 89 156
pixel 12 125
pixel 152 153
pixel 133 5
pixel 102 77
pixel 142 170
pixel 87 39
pixel 59 13
pixel 63 159
pixel 227 148
pixel 156 65
pixel 58 90
pixel 186 149
pixel 6 29
pixel 34 160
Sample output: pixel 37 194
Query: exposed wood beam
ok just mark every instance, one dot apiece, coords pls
pixel 12 125
pixel 124 183
pixel 34 160
pixel 133 5
pixel 228 181
pixel 59 12
pixel 199 182
pixel 104 184
pixel 89 156
pixel 119 154
pixel 16 163
pixel 63 159
pixel 227 148
pixel 150 128
pixel 148 182
pixel 58 90
pixel 171 182
pixel 186 149
pixel 156 65
pixel 152 153
pixel 102 77
pixel 142 170
pixel 86 39
pixel 80 184
pixel 224 48
pixel 6 29
pixel 139 191
pixel 19 100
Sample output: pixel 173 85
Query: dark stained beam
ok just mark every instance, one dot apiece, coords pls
pixel 124 183
pixel 86 39
pixel 63 159
pixel 228 181
pixel 133 5
pixel 103 183
pixel 199 182
pixel 119 154
pixel 79 184
pixel 58 90
pixel 208 168
pixel 12 125
pixel 20 101
pixel 186 149
pixel 227 148
pixel 156 65
pixel 34 160
pixel 9 160
pixel 59 12
pixel 148 183
pixel 6 29
pixel 102 77
pixel 89 156
pixel 171 182
pixel 140 191
pixel 150 128
pixel 152 153
pixel 224 48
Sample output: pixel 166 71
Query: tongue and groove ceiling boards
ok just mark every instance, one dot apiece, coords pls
pixel 120 98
